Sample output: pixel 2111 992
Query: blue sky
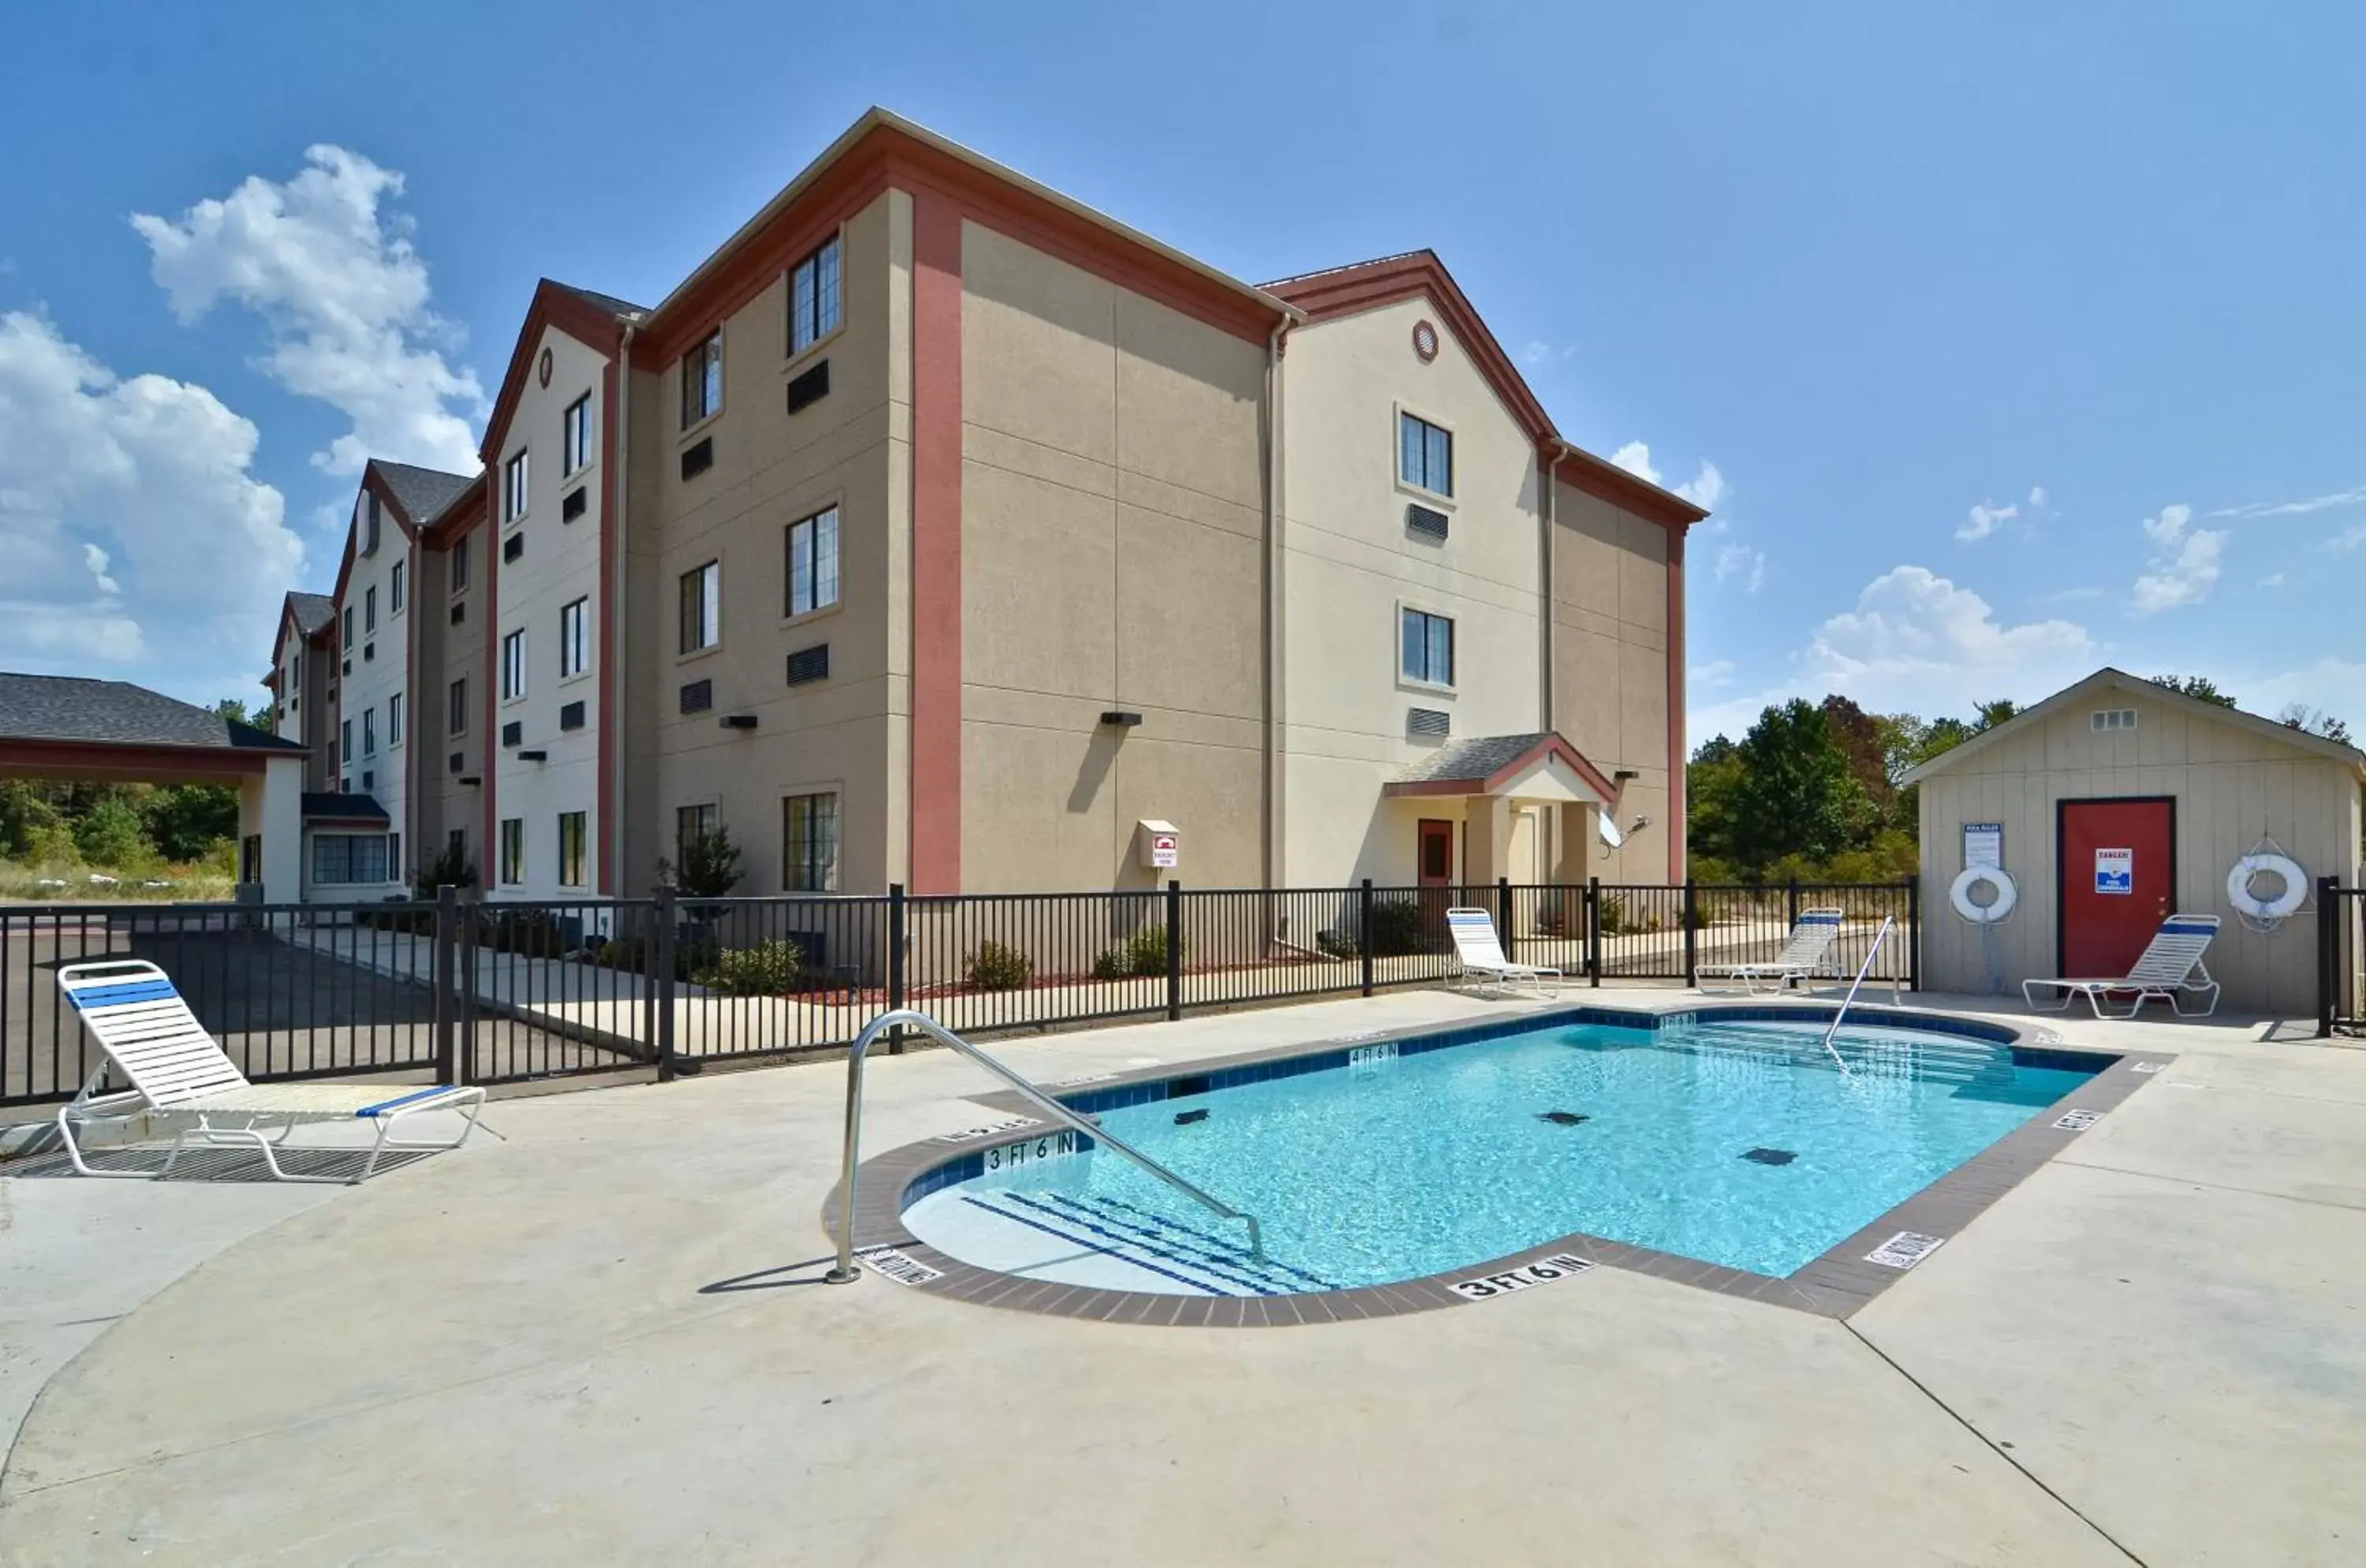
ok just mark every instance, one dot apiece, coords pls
pixel 2009 342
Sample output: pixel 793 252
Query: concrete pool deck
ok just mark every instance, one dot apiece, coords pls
pixel 598 1338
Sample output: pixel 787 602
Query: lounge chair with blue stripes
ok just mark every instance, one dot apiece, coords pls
pixel 1478 956
pixel 1807 956
pixel 2170 967
pixel 179 1076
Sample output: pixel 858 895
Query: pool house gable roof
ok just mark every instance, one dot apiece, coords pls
pixel 1541 764
pixel 2111 680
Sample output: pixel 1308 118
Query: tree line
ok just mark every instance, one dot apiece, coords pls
pixel 55 826
pixel 1813 790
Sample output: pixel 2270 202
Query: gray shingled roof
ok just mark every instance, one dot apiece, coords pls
pixel 1479 757
pixel 115 713
pixel 346 808
pixel 423 493
pixel 313 612
pixel 623 310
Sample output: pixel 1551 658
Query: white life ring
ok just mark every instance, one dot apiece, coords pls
pixel 1960 894
pixel 2239 886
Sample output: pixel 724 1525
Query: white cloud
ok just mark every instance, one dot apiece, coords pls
pixel 2349 539
pixel 1636 458
pixel 346 299
pixel 1715 672
pixel 2037 497
pixel 1986 518
pixel 2273 579
pixel 1704 489
pixel 2184 563
pixel 1918 642
pixel 2295 508
pixel 1742 562
pixel 195 555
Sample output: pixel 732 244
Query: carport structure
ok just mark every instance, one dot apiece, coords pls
pixel 68 726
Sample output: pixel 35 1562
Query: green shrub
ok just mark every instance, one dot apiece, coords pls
pixel 1146 951
pixel 1611 915
pixel 1400 926
pixel 527 932
pixel 709 868
pixel 113 836
pixel 998 968
pixel 1338 944
pixel 1115 964
pixel 768 969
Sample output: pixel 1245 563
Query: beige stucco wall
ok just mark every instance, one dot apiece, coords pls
pixel 1610 672
pixel 2230 785
pixel 446 652
pixel 771 469
pixel 1349 562
pixel 1111 558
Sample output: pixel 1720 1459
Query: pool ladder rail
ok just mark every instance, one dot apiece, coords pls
pixel 1861 970
pixel 845 1273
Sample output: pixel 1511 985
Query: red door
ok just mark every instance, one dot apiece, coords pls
pixel 2119 878
pixel 1435 864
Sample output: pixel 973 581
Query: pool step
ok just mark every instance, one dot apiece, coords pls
pixel 1210 1264
pixel 1941 1059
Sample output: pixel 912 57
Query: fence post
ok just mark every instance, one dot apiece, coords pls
pixel 1364 931
pixel 897 915
pixel 1174 949
pixel 463 1051
pixel 447 933
pixel 1594 931
pixel 1504 913
pixel 1692 952
pixel 1791 909
pixel 661 980
pixel 2331 920
pixel 1913 930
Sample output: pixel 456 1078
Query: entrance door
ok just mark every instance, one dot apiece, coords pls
pixel 1434 863
pixel 2118 870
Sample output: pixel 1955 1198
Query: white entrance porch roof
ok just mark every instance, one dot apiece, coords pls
pixel 1539 766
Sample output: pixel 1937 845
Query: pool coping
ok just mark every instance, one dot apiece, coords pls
pixel 1834 1284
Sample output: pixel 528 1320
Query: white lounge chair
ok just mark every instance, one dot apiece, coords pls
pixel 2170 967
pixel 1481 957
pixel 1804 957
pixel 178 1073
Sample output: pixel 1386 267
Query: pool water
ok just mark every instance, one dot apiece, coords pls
pixel 1736 1143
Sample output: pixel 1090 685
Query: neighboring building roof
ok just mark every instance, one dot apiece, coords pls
pixel 335 807
pixel 313 612
pixel 422 493
pixel 115 713
pixel 1483 763
pixel 2109 679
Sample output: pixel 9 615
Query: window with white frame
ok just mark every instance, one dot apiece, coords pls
pixel 1426 648
pixel 369 521
pixel 575 437
pixel 691 824
pixel 809 843
pixel 512 860
pixel 702 380
pixel 396 580
pixel 702 607
pixel 349 629
pixel 369 609
pixel 347 858
pixel 813 298
pixel 513 665
pixel 455 707
pixel 394 721
pixel 369 732
pixel 515 489
pixel 812 562
pixel 570 849
pixel 574 637
pixel 460 564
pixel 344 741
pixel 1425 455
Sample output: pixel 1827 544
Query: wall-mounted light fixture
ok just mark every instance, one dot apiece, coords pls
pixel 1121 719
pixel 533 756
pixel 737 721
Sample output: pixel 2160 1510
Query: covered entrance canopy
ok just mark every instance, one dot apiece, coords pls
pixel 1526 801
pixel 66 726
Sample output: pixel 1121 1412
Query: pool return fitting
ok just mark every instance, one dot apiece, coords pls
pixel 845 1273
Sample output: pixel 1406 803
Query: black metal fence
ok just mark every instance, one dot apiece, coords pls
pixel 506 992
pixel 2340 958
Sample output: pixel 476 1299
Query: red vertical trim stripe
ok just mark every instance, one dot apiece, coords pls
pixel 936 829
pixel 1676 752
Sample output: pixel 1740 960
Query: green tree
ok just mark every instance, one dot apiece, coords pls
pixel 1710 779
pixel 2200 686
pixel 1796 794
pixel 185 821
pixel 2314 721
pixel 111 835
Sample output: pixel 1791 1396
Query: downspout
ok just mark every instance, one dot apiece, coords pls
pixel 1275 642
pixel 1549 511
pixel 622 415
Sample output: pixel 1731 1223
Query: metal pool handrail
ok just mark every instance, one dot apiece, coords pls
pixel 1861 970
pixel 845 1272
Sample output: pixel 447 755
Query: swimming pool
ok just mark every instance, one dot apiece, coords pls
pixel 1732 1138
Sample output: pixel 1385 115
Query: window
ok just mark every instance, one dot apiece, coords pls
pixel 394 857
pixel 570 849
pixel 575 437
pixel 345 742
pixel 515 490
pixel 702 380
pixel 692 823
pixel 455 844
pixel 1428 648
pixel 812 562
pixel 809 848
pixel 455 707
pixel 814 299
pixel 702 607
pixel 349 629
pixel 369 521
pixel 345 784
pixel 460 564
pixel 1425 455
pixel 349 857
pixel 369 732
pixel 512 870
pixel 370 608
pixel 394 588
pixel 2113 718
pixel 513 666
pixel 574 637
pixel 394 721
